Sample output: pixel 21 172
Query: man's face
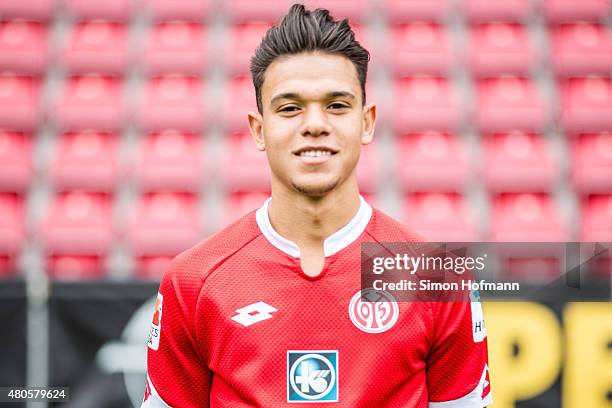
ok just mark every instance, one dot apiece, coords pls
pixel 313 121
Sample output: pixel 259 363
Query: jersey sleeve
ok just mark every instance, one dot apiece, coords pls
pixel 457 366
pixel 177 376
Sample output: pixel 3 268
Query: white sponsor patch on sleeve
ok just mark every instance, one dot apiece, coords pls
pixel 155 332
pixel 479 331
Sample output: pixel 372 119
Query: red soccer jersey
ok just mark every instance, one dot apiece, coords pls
pixel 238 324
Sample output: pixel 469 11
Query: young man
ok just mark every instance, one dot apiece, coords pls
pixel 269 311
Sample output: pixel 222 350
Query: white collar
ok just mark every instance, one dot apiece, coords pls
pixel 332 244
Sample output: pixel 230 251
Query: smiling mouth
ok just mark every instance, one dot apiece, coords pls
pixel 313 152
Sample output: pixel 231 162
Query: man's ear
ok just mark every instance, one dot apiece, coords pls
pixel 369 123
pixel 256 129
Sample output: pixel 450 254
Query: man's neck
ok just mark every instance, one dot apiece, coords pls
pixel 309 221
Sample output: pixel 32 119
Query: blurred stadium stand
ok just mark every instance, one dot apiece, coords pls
pixel 96 46
pixel 123 135
pixel 23 46
pixel 170 161
pixel 86 160
pixel 15 161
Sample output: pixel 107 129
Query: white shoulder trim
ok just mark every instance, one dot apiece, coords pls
pixel 472 400
pixel 350 232
pixel 282 243
pixel 332 244
pixel 153 400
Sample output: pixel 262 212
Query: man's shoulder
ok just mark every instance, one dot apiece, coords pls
pixel 385 228
pixel 198 261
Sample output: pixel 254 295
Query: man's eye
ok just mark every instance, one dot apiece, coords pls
pixel 336 106
pixel 288 109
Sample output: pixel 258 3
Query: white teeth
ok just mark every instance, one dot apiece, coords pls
pixel 315 153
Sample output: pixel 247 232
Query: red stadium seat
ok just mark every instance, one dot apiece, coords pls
pixel 8 265
pixel 164 224
pixel 189 10
pixel 97 47
pixel 237 101
pixel 23 47
pixel 12 223
pixel 78 223
pixel 596 223
pixel 243 40
pixel 509 103
pixel 241 11
pixel 40 10
pixel 76 267
pixel 558 11
pixel 19 102
pixel 15 161
pixel 432 161
pixel 442 217
pixel 581 49
pixel 501 48
pixel 592 163
pixel 586 104
pixel 506 10
pixel 173 102
pixel 527 217
pixel 86 160
pixel 238 204
pixel 90 102
pixel 518 162
pixel 170 160
pixel 354 10
pixel 243 167
pixel 152 267
pixel 420 48
pixel 117 10
pixel 12 232
pixel 402 11
pixel 596 227
pixel 425 103
pixel 175 47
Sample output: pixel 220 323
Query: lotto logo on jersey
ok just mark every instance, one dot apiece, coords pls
pixel 312 376
pixel 156 324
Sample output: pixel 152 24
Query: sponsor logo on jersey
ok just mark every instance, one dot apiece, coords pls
pixel 254 313
pixel 155 332
pixel 479 331
pixel 373 311
pixel 312 376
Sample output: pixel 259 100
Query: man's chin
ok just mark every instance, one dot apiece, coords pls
pixel 315 189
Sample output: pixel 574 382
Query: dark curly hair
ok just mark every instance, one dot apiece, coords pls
pixel 301 31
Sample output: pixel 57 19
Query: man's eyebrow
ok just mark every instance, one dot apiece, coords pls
pixel 284 95
pixel 340 94
pixel 329 95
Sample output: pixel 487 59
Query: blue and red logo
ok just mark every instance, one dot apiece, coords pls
pixel 312 376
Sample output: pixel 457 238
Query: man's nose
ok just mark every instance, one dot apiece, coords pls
pixel 315 123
